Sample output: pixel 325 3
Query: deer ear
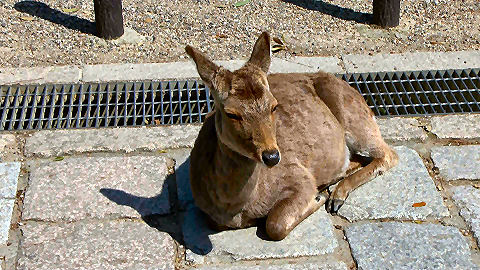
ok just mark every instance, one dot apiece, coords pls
pixel 261 52
pixel 205 67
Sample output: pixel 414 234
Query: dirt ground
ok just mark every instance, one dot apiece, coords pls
pixel 62 32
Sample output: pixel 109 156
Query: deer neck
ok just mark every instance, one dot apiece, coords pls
pixel 236 175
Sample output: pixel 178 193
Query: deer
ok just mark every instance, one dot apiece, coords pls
pixel 275 143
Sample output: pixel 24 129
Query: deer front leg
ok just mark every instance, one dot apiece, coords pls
pixel 289 212
pixel 384 160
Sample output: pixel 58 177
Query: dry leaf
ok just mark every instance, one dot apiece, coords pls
pixel 221 35
pixel 27 18
pixel 162 151
pixel 476 186
pixel 418 221
pixel 148 20
pixel 70 10
pixel 58 158
pixel 419 204
pixel 157 122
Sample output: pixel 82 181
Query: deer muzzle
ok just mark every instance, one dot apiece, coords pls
pixel 271 157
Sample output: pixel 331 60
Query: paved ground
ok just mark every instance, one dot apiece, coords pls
pixel 87 199
pixel 120 198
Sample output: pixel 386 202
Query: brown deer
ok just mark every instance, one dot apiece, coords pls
pixel 275 141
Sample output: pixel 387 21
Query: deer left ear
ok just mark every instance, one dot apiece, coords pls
pixel 205 67
pixel 261 55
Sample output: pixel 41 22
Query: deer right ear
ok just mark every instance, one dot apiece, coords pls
pixel 205 67
pixel 261 55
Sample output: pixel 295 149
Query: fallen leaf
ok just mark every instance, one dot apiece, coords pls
pixel 58 158
pixel 70 10
pixel 27 18
pixel 241 3
pixel 221 6
pixel 221 35
pixel 146 121
pixel 418 221
pixel 277 40
pixel 419 204
pixel 477 186
pixel 157 122
pixel 162 151
pixel 148 20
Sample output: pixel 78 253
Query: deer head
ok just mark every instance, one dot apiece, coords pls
pixel 244 106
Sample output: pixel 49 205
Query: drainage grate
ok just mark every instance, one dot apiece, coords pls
pixel 419 93
pixel 181 102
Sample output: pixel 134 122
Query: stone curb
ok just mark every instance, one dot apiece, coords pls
pixel 411 61
pixel 130 139
pixel 184 70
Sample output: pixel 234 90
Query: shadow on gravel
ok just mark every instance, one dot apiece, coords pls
pixel 333 10
pixel 45 12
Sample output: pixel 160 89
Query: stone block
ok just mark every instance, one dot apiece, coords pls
pixel 392 194
pixel 395 245
pixel 97 187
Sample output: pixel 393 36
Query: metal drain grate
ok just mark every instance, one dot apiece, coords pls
pixel 419 93
pixel 103 105
pixel 181 102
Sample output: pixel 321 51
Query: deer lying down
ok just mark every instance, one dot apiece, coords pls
pixel 274 141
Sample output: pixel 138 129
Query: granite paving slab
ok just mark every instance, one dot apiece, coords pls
pixel 395 245
pixel 97 187
pixel 9 172
pixel 95 245
pixel 393 194
pixel 468 200
pixel 411 61
pixel 464 126
pixel 314 236
pixel 7 144
pixel 65 142
pixel 458 162
pixel 401 129
pixel 6 209
pixel 333 265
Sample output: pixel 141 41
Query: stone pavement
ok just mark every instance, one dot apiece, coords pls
pixel 119 199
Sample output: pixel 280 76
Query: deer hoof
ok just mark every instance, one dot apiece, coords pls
pixel 333 205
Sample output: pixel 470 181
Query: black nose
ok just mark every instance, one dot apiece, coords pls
pixel 271 157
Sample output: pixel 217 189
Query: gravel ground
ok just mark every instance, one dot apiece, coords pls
pixel 54 32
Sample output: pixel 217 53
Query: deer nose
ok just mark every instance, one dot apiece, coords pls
pixel 270 157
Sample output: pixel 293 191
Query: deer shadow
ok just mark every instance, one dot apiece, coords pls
pixel 41 10
pixel 346 14
pixel 184 222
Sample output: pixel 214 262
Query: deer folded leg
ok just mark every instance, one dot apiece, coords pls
pixel 385 159
pixel 289 212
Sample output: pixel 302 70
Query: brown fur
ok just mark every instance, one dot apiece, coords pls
pixel 320 120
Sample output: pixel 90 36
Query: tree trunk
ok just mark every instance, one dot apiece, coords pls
pixel 108 18
pixel 386 13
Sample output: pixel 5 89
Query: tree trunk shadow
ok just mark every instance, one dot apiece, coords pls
pixel 41 10
pixel 346 14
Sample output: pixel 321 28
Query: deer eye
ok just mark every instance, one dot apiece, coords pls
pixel 234 116
pixel 274 108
